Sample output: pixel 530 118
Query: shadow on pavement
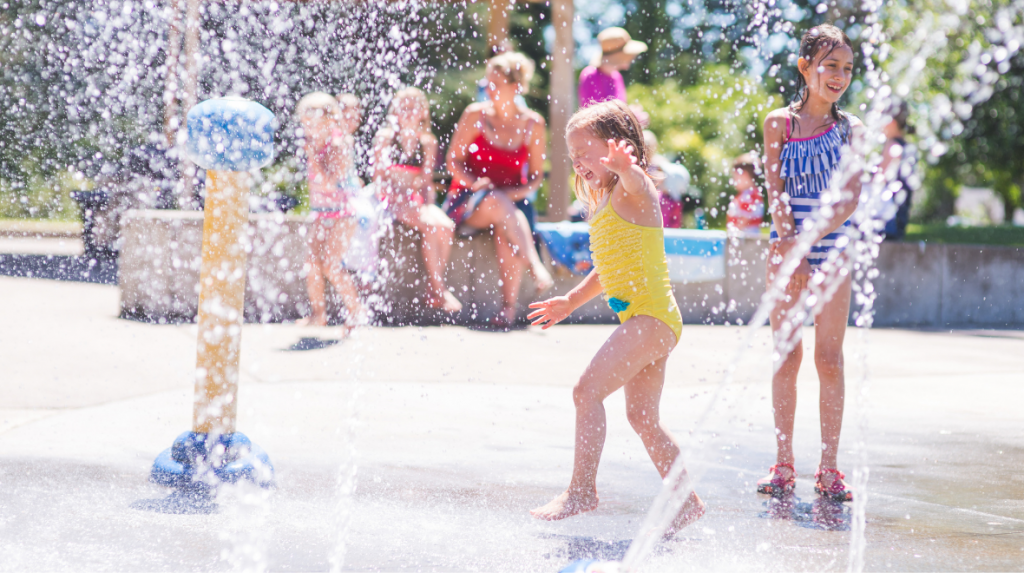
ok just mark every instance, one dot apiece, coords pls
pixel 60 268
pixel 587 548
pixel 312 343
pixel 822 514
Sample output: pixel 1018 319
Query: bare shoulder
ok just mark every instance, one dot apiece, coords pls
pixel 855 123
pixel 427 138
pixel 535 118
pixel 474 111
pixel 775 121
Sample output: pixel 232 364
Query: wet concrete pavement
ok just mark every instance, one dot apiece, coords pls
pixel 453 435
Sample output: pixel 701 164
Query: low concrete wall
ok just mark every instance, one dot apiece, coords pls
pixel 949 285
pixel 160 258
pixel 918 284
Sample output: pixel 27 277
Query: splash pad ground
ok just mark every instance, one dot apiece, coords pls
pixel 459 433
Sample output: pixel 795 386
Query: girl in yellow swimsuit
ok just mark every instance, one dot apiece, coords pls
pixel 607 149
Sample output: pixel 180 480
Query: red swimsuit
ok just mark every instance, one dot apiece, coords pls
pixel 504 167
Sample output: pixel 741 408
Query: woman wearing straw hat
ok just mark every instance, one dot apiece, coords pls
pixel 602 80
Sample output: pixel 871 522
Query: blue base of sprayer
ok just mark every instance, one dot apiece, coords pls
pixel 590 566
pixel 180 465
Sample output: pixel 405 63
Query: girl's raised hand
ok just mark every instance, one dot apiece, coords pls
pixel 550 312
pixel 621 156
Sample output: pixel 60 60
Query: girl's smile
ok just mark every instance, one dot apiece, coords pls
pixel 832 74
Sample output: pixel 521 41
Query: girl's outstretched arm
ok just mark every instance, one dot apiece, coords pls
pixel 621 160
pixel 556 309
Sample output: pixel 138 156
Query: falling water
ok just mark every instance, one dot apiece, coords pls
pixel 889 75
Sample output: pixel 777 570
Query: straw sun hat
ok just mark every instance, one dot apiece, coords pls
pixel 616 45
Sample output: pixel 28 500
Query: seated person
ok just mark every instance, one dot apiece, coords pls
pixel 496 159
pixel 405 152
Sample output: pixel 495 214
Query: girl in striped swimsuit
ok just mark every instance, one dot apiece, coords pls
pixel 804 143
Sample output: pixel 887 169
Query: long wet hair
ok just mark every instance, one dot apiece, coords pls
pixel 821 40
pixel 610 119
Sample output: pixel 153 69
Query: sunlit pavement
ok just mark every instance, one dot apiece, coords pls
pixel 455 434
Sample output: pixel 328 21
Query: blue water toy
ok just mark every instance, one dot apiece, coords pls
pixel 230 134
pixel 591 566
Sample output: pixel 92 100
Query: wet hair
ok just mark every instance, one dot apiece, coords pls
pixel 515 66
pixel 610 119
pixel 350 101
pixel 417 96
pixel 899 111
pixel 748 162
pixel 820 40
pixel 318 101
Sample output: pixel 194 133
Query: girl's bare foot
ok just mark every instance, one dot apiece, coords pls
pixel 569 503
pixel 313 320
pixel 542 278
pixel 446 302
pixel 692 510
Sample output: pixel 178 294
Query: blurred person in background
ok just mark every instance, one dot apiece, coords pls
pixel 602 79
pixel 405 152
pixel 898 163
pixel 496 159
pixel 673 183
pixel 330 161
pixel 745 214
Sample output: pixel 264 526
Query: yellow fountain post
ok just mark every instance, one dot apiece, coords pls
pixel 230 138
pixel 221 301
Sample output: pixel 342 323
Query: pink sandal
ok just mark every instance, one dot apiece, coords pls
pixel 775 485
pixel 835 492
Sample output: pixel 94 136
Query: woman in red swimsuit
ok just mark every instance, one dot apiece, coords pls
pixel 404 156
pixel 496 158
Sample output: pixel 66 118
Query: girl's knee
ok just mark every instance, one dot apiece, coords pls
pixel 826 357
pixel 583 395
pixel 640 420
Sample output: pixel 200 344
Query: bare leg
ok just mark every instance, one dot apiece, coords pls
pixel 438 233
pixel 541 276
pixel 784 378
pixel 339 237
pixel 829 333
pixel 496 211
pixel 641 341
pixel 315 277
pixel 511 267
pixel 643 409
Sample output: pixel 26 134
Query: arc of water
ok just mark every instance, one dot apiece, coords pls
pixel 932 34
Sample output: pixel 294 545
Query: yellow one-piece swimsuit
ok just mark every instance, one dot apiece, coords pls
pixel 630 260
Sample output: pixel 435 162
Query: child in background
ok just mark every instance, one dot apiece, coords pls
pixel 898 161
pixel 405 153
pixel 329 150
pixel 673 183
pixel 804 143
pixel 746 209
pixel 627 240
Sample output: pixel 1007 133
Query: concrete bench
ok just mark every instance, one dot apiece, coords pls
pixel 918 285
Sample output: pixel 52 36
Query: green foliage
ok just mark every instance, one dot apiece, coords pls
pixel 941 233
pixel 969 101
pixel 706 125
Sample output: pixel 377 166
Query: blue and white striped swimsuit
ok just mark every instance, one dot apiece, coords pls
pixel 807 167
